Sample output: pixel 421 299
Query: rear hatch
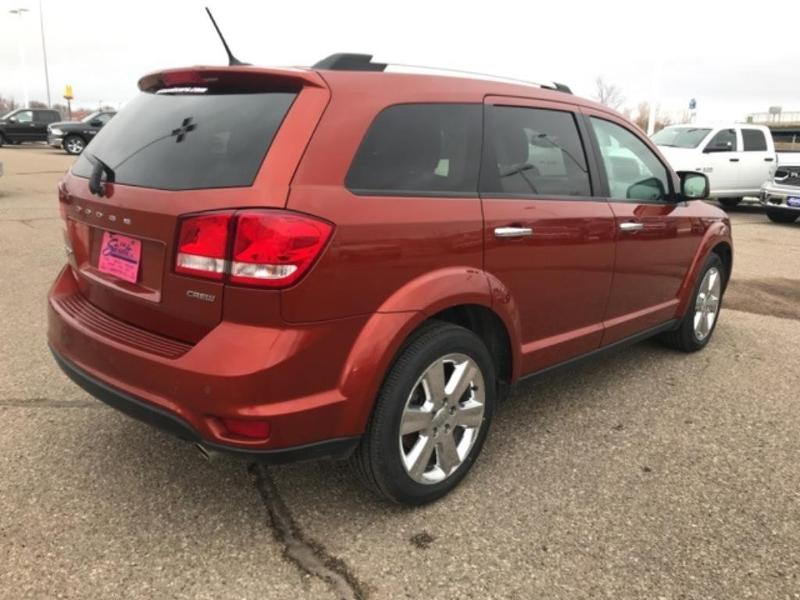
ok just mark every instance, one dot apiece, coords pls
pixel 194 140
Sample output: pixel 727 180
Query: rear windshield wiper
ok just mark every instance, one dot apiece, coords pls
pixel 520 170
pixel 96 184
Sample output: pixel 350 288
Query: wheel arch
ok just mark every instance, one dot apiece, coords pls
pixel 717 240
pixel 456 295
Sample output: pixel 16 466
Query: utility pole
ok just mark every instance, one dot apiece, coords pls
pixel 44 54
pixel 20 12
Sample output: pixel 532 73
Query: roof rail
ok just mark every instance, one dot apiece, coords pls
pixel 363 62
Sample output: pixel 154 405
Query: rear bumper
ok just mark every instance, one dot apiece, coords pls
pixel 174 425
pixel 290 377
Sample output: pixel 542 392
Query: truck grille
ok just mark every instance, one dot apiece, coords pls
pixel 788 176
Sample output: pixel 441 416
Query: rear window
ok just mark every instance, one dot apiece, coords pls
pixel 754 140
pixel 420 149
pixel 184 141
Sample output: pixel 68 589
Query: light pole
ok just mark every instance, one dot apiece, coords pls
pixel 44 54
pixel 20 12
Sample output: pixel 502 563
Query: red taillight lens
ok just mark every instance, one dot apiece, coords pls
pixel 259 430
pixel 274 249
pixel 203 244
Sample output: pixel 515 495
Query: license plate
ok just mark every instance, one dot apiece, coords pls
pixel 119 256
pixel 793 201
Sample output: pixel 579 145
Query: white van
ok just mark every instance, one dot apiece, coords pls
pixel 737 158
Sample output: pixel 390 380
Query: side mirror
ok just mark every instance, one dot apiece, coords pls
pixel 647 190
pixel 694 185
pixel 96 123
pixel 12 119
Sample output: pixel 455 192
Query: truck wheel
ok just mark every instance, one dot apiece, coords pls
pixel 2 140
pixel 782 216
pixel 695 329
pixel 74 144
pixel 729 202
pixel 430 418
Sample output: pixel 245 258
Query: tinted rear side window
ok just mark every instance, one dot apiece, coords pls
pixel 754 140
pixel 419 149
pixel 190 140
pixel 531 151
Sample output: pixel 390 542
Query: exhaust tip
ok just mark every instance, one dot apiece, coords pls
pixel 208 455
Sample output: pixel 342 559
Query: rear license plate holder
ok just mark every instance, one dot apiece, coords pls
pixel 120 256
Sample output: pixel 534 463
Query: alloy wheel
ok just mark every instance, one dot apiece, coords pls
pixel 442 418
pixel 706 305
pixel 75 145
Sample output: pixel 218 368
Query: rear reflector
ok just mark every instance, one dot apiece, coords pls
pixel 271 248
pixel 257 430
pixel 202 245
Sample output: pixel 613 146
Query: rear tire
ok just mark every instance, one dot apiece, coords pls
pixel 74 144
pixel 730 202
pixel 697 325
pixel 2 140
pixel 782 216
pixel 419 445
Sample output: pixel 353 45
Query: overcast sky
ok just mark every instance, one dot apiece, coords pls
pixel 734 58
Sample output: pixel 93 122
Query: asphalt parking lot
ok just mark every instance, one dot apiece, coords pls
pixel 644 474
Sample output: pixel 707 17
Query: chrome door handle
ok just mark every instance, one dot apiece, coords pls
pixel 630 226
pixel 512 232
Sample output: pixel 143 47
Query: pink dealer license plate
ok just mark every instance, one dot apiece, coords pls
pixel 119 256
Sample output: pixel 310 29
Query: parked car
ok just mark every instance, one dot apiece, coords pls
pixel 737 158
pixel 26 125
pixel 295 263
pixel 73 136
pixel 781 195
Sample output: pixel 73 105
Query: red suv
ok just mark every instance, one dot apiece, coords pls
pixel 347 261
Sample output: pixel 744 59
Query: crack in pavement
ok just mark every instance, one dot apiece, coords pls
pixel 46 403
pixel 306 554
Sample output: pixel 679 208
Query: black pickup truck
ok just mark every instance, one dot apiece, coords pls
pixel 73 136
pixel 26 125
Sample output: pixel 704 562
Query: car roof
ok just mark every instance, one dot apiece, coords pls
pixel 394 87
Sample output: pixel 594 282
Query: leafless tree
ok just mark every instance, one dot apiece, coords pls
pixel 609 94
pixel 643 114
pixel 7 105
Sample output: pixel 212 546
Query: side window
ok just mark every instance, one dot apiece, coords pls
pixel 634 172
pixel 424 149
pixel 532 151
pixel 753 140
pixel 25 116
pixel 44 116
pixel 104 118
pixel 723 141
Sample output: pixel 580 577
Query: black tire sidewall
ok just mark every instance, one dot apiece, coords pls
pixel 412 361
pixel 687 327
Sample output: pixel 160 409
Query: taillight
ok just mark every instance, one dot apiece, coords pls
pixel 203 245
pixel 270 248
pixel 274 249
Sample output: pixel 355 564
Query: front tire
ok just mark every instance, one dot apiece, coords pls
pixel 695 329
pixel 780 216
pixel 431 416
pixel 74 144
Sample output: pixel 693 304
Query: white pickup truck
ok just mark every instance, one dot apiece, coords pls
pixel 737 158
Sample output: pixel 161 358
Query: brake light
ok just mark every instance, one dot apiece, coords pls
pixel 270 248
pixel 274 249
pixel 203 245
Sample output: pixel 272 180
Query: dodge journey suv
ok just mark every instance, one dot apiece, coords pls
pixel 348 261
